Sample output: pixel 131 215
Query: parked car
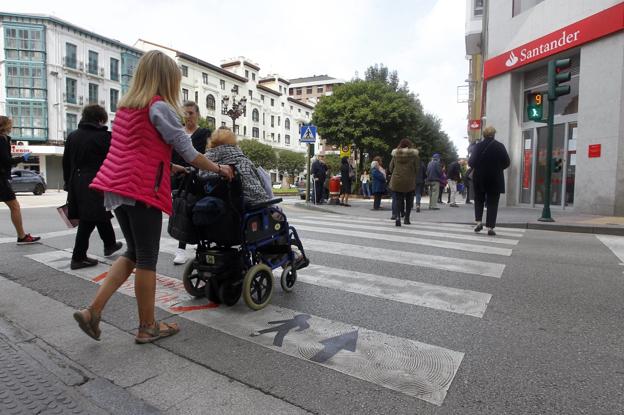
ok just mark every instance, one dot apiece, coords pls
pixel 27 181
pixel 301 186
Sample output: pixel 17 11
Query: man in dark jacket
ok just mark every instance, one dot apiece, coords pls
pixel 6 192
pixel 434 178
pixel 85 151
pixel 319 173
pixel 489 159
pixel 199 138
pixel 454 177
pixel 420 183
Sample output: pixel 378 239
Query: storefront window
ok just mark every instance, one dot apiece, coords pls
pixel 527 166
pixel 540 168
pixel 571 163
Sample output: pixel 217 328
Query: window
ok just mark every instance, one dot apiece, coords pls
pixel 307 114
pixel 520 6
pixel 309 90
pixel 319 89
pixel 280 89
pixel 264 135
pixel 290 91
pixel 263 123
pixel 298 91
pixel 92 68
pixel 196 97
pixel 222 83
pixel 282 105
pixel 478 8
pixel 205 78
pixel 272 120
pixel 114 98
pixel 272 102
pixel 70 55
pixel 114 69
pixel 291 108
pixel 287 123
pixel 255 115
pixel 93 93
pixel 223 124
pixel 287 139
pixel 236 129
pixel 279 120
pixel 235 89
pixel 210 102
pixel 261 97
pixel 72 122
pixel 253 76
pixel 26 80
pixel 255 132
pixel 245 130
pixel 246 74
pixel 299 110
pixel 279 138
pixel 70 90
pixel 184 94
pixel 30 119
pixel 184 70
pixel 272 136
pixel 212 122
pixel 250 94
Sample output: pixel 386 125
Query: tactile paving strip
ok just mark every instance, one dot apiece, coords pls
pixel 26 388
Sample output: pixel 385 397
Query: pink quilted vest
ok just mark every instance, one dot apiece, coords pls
pixel 137 164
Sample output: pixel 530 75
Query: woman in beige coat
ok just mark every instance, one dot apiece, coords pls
pixel 404 169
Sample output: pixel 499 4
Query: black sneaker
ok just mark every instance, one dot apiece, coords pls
pixel 84 263
pixel 112 249
pixel 397 222
pixel 491 232
pixel 417 209
pixel 28 239
pixel 478 228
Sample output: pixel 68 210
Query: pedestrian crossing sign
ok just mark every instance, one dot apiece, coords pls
pixel 308 134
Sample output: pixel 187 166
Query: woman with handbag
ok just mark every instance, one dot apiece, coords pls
pixel 135 179
pixel 488 160
pixel 84 153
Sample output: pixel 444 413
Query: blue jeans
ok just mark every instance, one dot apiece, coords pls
pixel 366 190
pixel 419 192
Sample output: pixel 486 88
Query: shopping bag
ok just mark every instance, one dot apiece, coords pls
pixel 63 212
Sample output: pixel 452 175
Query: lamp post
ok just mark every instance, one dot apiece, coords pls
pixel 235 109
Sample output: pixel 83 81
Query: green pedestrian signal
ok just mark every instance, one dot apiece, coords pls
pixel 557 164
pixel 535 107
pixel 556 77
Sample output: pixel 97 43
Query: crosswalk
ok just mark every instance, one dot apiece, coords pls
pixel 408 366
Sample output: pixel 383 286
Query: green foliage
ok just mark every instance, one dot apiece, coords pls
pixel 374 114
pixel 290 162
pixel 262 155
pixel 333 163
pixel 203 123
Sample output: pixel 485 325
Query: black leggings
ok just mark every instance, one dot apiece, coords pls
pixel 141 226
pixel 404 203
pixel 491 199
pixel 85 228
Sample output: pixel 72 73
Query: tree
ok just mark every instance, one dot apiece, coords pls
pixel 262 155
pixel 290 161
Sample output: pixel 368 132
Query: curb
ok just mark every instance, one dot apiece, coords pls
pixel 315 208
pixel 559 227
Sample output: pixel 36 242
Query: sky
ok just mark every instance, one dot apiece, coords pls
pixel 422 39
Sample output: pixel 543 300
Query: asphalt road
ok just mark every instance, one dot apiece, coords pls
pixel 425 319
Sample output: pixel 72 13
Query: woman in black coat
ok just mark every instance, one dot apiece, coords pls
pixel 346 175
pixel 85 151
pixel 488 160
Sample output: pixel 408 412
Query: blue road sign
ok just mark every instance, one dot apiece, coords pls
pixel 308 134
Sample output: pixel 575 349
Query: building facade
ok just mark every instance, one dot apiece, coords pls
pixel 310 89
pixel 51 69
pixel 519 38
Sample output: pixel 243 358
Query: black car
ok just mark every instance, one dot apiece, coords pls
pixel 27 181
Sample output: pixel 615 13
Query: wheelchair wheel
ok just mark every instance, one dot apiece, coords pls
pixel 193 282
pixel 211 290
pixel 258 286
pixel 229 293
pixel 288 278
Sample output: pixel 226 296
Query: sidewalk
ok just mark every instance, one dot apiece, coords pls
pixel 51 198
pixel 48 366
pixel 513 217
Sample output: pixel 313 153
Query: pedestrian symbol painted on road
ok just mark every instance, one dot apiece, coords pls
pixel 300 321
pixel 346 341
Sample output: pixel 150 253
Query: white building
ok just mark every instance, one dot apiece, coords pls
pixel 519 38
pixel 53 68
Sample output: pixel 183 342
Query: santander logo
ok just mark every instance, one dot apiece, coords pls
pixel 512 60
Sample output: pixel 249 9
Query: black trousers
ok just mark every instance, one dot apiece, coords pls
pixel 377 200
pixel 318 190
pixel 404 203
pixel 491 199
pixel 85 228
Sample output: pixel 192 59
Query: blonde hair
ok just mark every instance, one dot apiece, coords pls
pixel 156 74
pixel 222 136
pixel 5 124
pixel 489 131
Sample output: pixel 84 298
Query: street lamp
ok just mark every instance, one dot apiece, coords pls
pixel 236 109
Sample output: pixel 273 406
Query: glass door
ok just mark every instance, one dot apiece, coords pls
pixel 526 168
pixel 570 163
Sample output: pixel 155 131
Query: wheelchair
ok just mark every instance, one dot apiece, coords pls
pixel 238 249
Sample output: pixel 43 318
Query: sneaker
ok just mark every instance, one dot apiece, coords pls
pixel 417 209
pixel 454 205
pixel 84 263
pixel 397 222
pixel 180 257
pixel 28 239
pixel 392 217
pixel 491 232
pixel 111 250
pixel 478 228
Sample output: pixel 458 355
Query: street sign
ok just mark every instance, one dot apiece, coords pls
pixel 474 124
pixel 308 134
pixel 345 151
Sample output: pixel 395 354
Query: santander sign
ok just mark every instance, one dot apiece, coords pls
pixel 601 24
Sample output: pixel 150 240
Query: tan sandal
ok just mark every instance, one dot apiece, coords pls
pixel 90 326
pixel 156 332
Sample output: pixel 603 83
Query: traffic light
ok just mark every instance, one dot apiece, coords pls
pixel 557 164
pixel 556 77
pixel 535 107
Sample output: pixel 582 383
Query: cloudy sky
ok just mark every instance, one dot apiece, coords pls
pixel 422 39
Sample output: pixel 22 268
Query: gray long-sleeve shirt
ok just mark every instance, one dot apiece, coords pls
pixel 166 121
